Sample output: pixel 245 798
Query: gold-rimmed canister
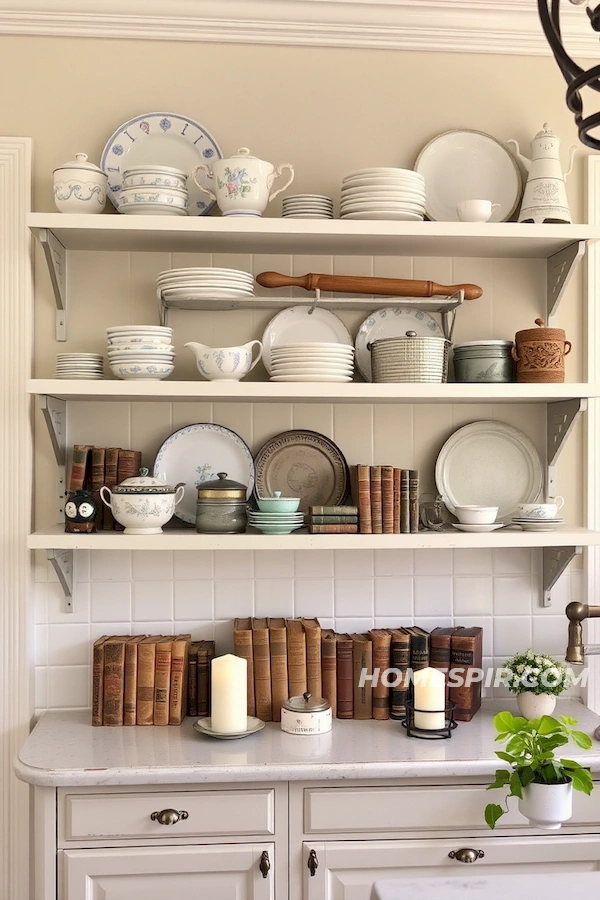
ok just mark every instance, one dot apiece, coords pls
pixel 221 506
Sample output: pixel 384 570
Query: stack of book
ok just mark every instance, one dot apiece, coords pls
pixel 388 500
pixel 149 679
pixel 93 467
pixel 332 519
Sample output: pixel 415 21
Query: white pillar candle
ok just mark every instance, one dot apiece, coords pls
pixel 430 693
pixel 228 698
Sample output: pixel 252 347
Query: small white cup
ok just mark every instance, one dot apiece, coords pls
pixel 541 510
pixel 476 210
pixel 476 515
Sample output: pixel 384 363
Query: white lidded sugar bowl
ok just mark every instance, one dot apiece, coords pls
pixel 242 183
pixel 306 715
pixel 143 504
pixel 80 186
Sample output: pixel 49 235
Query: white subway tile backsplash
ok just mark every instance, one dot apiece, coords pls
pixel 349 564
pixel 68 645
pixel 68 687
pixel 152 600
pixel 81 565
pixel 314 597
pixel 472 562
pixel 274 565
pixel 106 565
pixel 313 564
pixel 473 595
pixel 193 600
pixel 353 597
pixel 354 625
pixel 56 604
pixel 394 597
pixel 511 635
pixel 110 601
pixel 191 566
pixel 274 597
pixel 433 595
pixel 513 595
pixel 40 645
pixel 512 561
pixel 39 590
pixel 433 562
pixel 550 634
pixel 485 622
pixel 394 562
pixel 234 565
pixel 234 597
pixel 148 565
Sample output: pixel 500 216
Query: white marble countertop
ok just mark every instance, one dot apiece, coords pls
pixel 65 750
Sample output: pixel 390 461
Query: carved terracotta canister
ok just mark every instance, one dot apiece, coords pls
pixel 540 354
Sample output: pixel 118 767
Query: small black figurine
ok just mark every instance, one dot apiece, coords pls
pixel 80 513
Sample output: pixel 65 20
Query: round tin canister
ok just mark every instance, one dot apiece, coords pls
pixel 410 358
pixel 540 354
pixel 485 362
pixel 306 715
pixel 221 506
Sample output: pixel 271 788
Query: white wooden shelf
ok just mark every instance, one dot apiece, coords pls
pixel 310 392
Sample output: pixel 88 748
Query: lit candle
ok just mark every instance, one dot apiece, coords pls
pixel 430 693
pixel 228 699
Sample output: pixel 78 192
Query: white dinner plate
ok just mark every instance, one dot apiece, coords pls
pixel 197 453
pixel 204 726
pixel 161 139
pixel 324 377
pixel 537 526
pixel 476 528
pixel 489 464
pixel 152 209
pixel 204 293
pixel 463 165
pixel 204 270
pixel 390 321
pixel 298 323
pixel 381 214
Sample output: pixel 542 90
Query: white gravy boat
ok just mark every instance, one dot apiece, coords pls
pixel 225 363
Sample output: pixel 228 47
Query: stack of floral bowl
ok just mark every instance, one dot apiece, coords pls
pixel 140 352
pixel 276 514
pixel 155 191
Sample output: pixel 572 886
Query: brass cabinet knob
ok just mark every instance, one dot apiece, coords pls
pixel 264 864
pixel 169 816
pixel 466 855
pixel 313 862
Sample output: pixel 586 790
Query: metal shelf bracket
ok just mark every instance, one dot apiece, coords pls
pixel 559 269
pixel 554 562
pixel 56 260
pixel 561 418
pixel 54 412
pixel 62 563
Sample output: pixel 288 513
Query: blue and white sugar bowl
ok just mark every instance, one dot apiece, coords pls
pixel 80 186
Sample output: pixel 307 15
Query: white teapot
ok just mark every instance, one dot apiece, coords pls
pixel 242 183
pixel 225 363
pixel 545 197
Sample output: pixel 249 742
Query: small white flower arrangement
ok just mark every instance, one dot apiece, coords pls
pixel 536 673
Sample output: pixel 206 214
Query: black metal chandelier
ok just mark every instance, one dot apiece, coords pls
pixel 576 77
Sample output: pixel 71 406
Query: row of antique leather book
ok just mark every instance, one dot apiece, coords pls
pixel 388 500
pixel 287 657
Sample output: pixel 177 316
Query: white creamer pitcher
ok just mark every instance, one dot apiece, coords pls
pixel 243 183
pixel 545 197
pixel 225 363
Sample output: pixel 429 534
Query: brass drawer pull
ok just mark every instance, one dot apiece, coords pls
pixel 313 862
pixel 169 816
pixel 264 864
pixel 466 855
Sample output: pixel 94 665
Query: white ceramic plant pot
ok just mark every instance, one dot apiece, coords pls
pixel 547 806
pixel 142 513
pixel 533 706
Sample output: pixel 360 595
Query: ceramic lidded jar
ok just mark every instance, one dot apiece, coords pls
pixel 80 186
pixel 143 504
pixel 221 506
pixel 540 354
pixel 306 715
pixel 242 183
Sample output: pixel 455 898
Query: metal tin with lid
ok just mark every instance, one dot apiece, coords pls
pixel 306 715
pixel 221 506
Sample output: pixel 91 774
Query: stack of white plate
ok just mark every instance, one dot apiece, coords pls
pixel 275 522
pixel 312 362
pixel 307 206
pixel 140 352
pixel 531 524
pixel 205 283
pixel 383 193
pixel 79 365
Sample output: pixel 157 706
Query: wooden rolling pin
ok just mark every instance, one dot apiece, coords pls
pixel 356 284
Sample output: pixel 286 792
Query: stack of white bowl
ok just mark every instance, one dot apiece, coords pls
pixel 205 282
pixel 140 352
pixel 307 206
pixel 312 361
pixel 154 191
pixel 383 193
pixel 79 365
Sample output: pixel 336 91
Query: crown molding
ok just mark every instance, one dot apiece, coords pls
pixel 470 26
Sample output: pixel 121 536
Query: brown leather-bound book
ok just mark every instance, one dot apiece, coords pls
pixel 364 499
pixel 80 467
pixel 296 640
pixel 332 529
pixel 465 654
pixel 439 650
pixel 362 664
pixel 400 663
pixel 396 480
pixel 328 668
pixel 242 646
pixel 314 676
pixel 179 678
pixel 419 647
pixel 387 499
pixel 404 503
pixel 212 652
pixel 279 670
pixel 111 458
pixel 206 654
pixel 162 680
pixel 130 689
pixel 98 456
pixel 376 508
pixel 114 679
pixel 344 669
pixel 145 679
pixel 382 640
pixel 413 500
pixel 128 466
pixel 262 669
pixel 192 683
pixel 98 679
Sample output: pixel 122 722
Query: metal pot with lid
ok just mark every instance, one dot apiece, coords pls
pixel 221 506
pixel 306 715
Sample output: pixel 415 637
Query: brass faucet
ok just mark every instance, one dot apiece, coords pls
pixel 576 613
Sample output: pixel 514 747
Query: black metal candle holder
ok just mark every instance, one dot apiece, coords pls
pixel 430 734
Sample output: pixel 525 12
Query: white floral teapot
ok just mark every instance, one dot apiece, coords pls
pixel 243 183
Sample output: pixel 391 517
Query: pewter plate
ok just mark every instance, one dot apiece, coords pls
pixel 302 464
pixel 489 464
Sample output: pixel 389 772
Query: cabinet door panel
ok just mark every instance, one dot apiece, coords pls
pixel 347 869
pixel 185 873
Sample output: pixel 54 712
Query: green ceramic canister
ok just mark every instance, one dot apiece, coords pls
pixel 484 362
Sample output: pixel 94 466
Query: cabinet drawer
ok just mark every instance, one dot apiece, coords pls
pixel 375 809
pixel 128 815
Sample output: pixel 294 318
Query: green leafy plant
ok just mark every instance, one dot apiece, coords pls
pixel 536 673
pixel 530 746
